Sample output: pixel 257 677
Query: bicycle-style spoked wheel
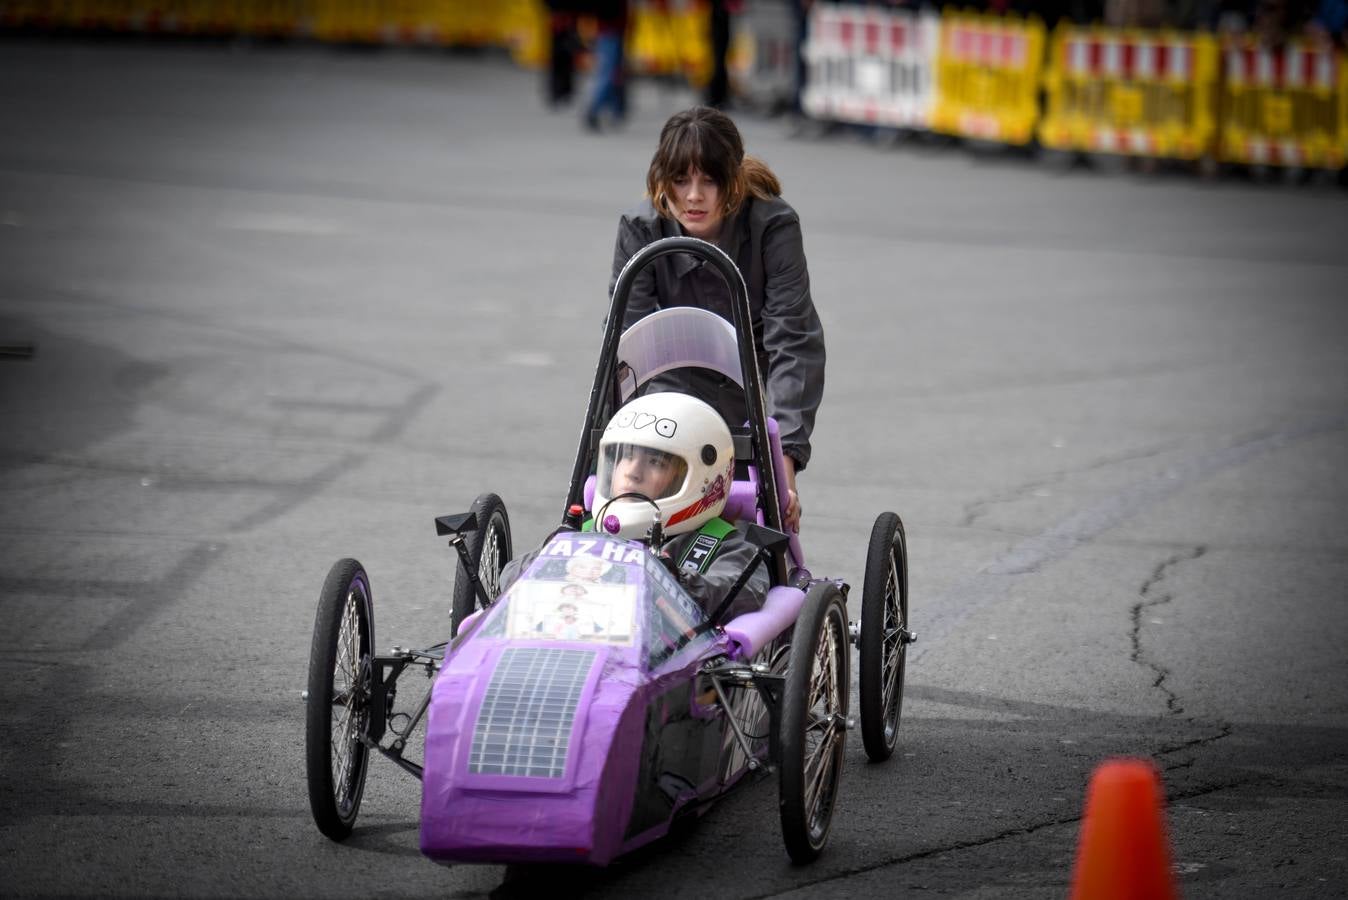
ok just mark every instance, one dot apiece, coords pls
pixel 337 714
pixel 489 549
pixel 814 722
pixel 884 637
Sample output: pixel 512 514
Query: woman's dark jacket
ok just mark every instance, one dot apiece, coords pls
pixel 764 240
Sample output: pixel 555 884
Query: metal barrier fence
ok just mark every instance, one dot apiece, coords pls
pixel 670 37
pixel 1163 94
pixel 1284 107
pixel 988 74
pixel 871 66
pixel 1131 92
pixel 1146 93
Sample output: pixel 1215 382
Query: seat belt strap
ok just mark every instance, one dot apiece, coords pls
pixel 703 547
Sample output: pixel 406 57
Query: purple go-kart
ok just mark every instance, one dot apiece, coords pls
pixel 580 738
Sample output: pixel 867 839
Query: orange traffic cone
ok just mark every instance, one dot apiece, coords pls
pixel 1124 854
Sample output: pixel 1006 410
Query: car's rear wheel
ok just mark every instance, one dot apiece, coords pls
pixel 489 548
pixel 884 637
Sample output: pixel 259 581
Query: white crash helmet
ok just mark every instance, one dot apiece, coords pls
pixel 674 450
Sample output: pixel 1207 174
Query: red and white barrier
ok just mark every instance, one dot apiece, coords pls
pixel 1283 106
pixel 1138 58
pixel 871 66
pixel 1131 92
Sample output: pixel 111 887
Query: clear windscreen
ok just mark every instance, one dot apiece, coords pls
pixel 589 588
pixel 632 468
pixel 676 338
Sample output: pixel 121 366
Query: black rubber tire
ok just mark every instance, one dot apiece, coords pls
pixel 884 650
pixel 492 539
pixel 339 680
pixel 814 722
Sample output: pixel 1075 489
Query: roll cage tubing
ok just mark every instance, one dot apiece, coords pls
pixel 749 374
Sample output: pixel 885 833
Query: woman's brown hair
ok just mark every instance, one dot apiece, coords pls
pixel 706 139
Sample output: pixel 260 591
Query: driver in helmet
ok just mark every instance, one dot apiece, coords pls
pixel 671 456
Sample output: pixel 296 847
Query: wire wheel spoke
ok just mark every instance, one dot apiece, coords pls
pixel 822 734
pixel 893 664
pixel 892 646
pixel 490 566
pixel 821 777
pixel 348 698
pixel 819 760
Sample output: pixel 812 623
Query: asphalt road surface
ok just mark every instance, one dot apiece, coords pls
pixel 266 306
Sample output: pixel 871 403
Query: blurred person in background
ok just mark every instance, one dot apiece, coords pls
pixel 718 88
pixel 800 18
pixel 1051 12
pixel 1329 25
pixel 701 183
pixel 1278 21
pixel 608 92
pixel 564 43
pixel 1135 13
pixel 608 96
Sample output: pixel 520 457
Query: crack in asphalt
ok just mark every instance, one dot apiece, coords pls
pixel 979 508
pixel 1225 732
pixel 976 509
pixel 991 583
pixel 1024 830
pixel 1150 601
pixel 925 854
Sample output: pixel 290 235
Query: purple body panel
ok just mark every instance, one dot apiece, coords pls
pixel 482 818
pixel 579 810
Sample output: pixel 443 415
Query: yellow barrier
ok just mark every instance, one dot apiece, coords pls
pixel 272 18
pixel 520 25
pixel 524 29
pixel 1131 92
pixel 345 21
pixel 987 77
pixel 1284 107
pixel 670 38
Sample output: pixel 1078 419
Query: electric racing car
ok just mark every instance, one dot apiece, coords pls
pixel 581 738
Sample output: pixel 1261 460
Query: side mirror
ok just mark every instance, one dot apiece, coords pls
pixel 456 524
pixel 765 538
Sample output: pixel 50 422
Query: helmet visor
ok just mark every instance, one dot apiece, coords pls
pixel 627 468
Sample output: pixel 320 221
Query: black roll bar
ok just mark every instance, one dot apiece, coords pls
pixel 749 373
